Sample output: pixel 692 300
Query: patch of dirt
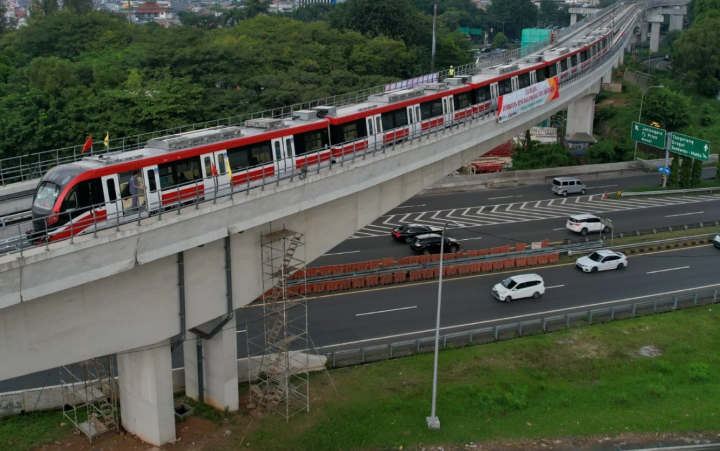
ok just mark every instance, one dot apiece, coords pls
pixel 650 351
pixel 583 345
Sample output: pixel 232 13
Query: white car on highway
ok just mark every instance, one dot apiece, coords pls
pixel 585 223
pixel 602 261
pixel 519 286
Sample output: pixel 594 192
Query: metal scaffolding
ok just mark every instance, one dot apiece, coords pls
pixel 89 393
pixel 282 384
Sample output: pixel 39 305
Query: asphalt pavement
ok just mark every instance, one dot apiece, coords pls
pixel 658 63
pixel 399 312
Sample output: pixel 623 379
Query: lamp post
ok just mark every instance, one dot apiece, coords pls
pixel 642 99
pixel 504 26
pixel 432 58
pixel 433 421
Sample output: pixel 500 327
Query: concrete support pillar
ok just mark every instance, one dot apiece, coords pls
pixel 621 59
pixel 219 364
pixel 607 78
pixel 573 19
pixel 654 37
pixel 146 393
pixel 676 22
pixel 644 31
pixel 580 116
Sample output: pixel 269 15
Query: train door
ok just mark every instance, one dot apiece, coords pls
pixel 533 78
pixel 284 153
pixel 448 105
pixel 374 130
pixel 152 193
pixel 221 166
pixel 113 201
pixel 413 119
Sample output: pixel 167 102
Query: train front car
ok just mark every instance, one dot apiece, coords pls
pixel 48 199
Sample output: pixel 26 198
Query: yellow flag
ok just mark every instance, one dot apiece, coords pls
pixel 106 141
pixel 229 172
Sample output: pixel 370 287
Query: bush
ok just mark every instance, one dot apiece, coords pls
pixel 685 172
pixel 602 152
pixel 699 372
pixel 709 86
pixel 656 390
pixel 662 366
pixel 696 179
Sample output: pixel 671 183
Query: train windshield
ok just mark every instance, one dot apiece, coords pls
pixel 46 195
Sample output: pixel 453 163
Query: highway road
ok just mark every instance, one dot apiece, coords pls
pixel 399 312
pixel 531 213
pixel 658 63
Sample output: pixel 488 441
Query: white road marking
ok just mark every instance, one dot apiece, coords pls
pixel 598 187
pixel 504 197
pixel 341 253
pixel 386 311
pixel 561 228
pixel 686 214
pixel 666 270
pixel 240 331
pixel 540 314
pixel 554 286
pixel 411 206
pixel 468 239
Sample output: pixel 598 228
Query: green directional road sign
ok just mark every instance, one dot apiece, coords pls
pixel 689 146
pixel 645 134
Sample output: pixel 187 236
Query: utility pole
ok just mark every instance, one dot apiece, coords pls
pixel 432 59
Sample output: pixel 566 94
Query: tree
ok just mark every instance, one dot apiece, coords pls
pixel 194 20
pixel 685 172
pixel 668 107
pixel 79 6
pixel 717 169
pixel 518 14
pixel 702 7
pixel 541 156
pixel 674 171
pixel 252 8
pixel 500 40
pixel 691 51
pixel 709 86
pixel 39 8
pixel 603 152
pixel 312 12
pixel 396 19
pixel 696 178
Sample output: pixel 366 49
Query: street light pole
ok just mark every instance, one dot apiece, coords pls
pixel 432 58
pixel 642 99
pixel 433 421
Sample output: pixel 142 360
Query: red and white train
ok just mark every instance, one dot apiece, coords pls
pixel 92 193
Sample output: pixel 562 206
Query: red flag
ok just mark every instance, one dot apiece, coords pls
pixel 88 145
pixel 214 170
pixel 237 87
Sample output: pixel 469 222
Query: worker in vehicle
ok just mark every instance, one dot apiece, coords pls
pixel 135 188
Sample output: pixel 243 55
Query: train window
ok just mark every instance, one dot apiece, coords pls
pixel 583 56
pixel 482 94
pixel 377 124
pixel 564 65
pixel 46 195
pixel 505 86
pixel 221 164
pixel 260 153
pixel 89 193
pixel 348 132
pixel 151 181
pixel 431 109
pixel 278 150
pixel 311 142
pixel 208 167
pixel 444 104
pixel 540 74
pixel 462 100
pixel 417 113
pixel 524 80
pixel 573 60
pixel 371 128
pixel 112 195
pixel 289 146
pixel 167 177
pixel 124 182
pixel 71 200
pixel 551 70
pixel 394 119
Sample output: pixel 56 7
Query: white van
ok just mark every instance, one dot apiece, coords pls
pixel 519 286
pixel 568 185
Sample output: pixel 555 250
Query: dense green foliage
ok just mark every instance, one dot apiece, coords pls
pixel 674 172
pixel 685 172
pixel 667 107
pixel 66 76
pixel 517 14
pixel 500 40
pixel 696 175
pixel 538 156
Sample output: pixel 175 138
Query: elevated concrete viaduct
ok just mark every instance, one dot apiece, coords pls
pixel 128 291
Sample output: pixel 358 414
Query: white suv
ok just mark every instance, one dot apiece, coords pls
pixel 585 223
pixel 602 261
pixel 520 286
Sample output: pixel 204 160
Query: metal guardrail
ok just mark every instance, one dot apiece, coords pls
pixel 646 243
pixel 715 189
pixel 508 330
pixel 25 167
pixel 194 193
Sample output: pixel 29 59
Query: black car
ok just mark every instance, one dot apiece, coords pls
pixel 430 244
pixel 408 232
